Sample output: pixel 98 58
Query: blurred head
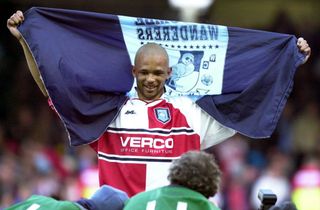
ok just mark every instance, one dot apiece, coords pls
pixel 108 197
pixel 196 170
pixel 151 70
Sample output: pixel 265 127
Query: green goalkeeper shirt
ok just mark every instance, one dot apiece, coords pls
pixel 169 198
pixel 38 202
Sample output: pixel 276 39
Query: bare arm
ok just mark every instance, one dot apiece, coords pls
pixel 12 24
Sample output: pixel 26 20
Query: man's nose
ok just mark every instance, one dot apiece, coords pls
pixel 150 78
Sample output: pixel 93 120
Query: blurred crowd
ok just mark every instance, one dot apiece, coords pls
pixel 36 158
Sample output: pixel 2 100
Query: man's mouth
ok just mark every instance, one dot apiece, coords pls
pixel 150 88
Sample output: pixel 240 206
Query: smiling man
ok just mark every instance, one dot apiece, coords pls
pixel 151 130
pixel 151 71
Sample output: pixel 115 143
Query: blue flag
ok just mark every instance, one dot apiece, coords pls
pixel 240 77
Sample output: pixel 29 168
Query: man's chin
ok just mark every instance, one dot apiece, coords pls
pixel 150 95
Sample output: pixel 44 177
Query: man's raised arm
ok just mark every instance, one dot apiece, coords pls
pixel 12 23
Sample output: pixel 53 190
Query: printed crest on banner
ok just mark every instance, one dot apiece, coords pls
pixel 162 115
pixel 188 66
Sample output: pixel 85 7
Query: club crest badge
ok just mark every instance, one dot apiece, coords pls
pixel 162 115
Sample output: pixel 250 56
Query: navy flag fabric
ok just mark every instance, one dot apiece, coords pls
pixel 241 77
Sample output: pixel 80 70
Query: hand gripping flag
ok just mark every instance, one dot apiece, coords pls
pixel 240 77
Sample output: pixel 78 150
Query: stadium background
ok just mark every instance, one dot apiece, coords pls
pixel 35 156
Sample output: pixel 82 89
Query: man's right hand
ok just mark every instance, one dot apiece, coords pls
pixel 13 22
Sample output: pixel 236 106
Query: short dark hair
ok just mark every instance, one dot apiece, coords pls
pixel 151 48
pixel 196 170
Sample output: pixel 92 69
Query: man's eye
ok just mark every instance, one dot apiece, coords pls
pixel 159 73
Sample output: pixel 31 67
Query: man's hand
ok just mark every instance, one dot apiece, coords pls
pixel 304 48
pixel 12 23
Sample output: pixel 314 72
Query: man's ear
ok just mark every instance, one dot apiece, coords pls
pixel 133 71
pixel 169 71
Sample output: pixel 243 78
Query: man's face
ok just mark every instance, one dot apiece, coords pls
pixel 151 71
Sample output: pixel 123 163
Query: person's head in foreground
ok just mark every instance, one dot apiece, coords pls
pixel 196 170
